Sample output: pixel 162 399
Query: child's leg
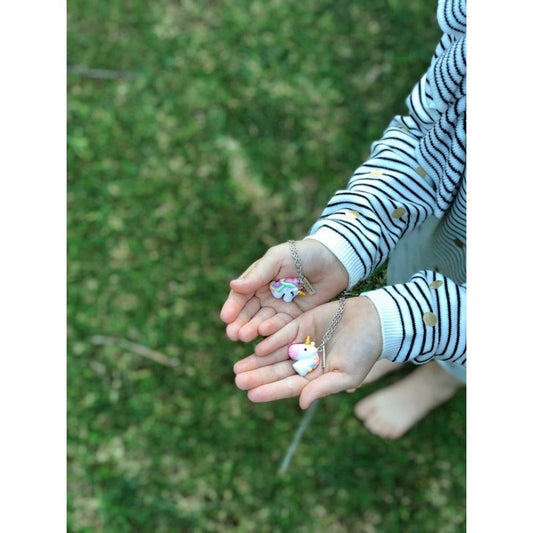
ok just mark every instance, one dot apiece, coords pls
pixel 392 411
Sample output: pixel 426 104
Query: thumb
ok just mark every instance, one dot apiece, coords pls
pixel 259 274
pixel 328 383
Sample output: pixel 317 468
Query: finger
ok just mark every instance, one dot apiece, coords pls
pixel 289 387
pixel 249 270
pixel 264 375
pixel 242 290
pixel 248 311
pixel 260 273
pixel 324 385
pixel 233 306
pixel 254 361
pixel 249 331
pixel 279 340
pixel 298 329
pixel 274 324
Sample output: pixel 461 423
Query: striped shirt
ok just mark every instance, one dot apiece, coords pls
pixel 417 169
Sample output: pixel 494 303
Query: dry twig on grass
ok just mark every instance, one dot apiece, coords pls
pixel 101 73
pixel 137 349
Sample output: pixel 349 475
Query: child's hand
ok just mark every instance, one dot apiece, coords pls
pixel 251 310
pixel 355 347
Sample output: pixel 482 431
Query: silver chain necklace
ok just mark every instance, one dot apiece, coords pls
pixel 304 282
pixel 330 331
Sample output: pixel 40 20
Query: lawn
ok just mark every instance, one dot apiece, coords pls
pixel 200 134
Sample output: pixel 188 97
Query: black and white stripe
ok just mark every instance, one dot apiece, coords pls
pixel 417 169
pixel 408 334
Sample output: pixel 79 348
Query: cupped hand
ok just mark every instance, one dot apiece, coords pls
pixel 268 374
pixel 250 309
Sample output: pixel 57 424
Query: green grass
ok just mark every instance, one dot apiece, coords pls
pixel 232 125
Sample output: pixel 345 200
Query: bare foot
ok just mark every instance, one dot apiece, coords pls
pixel 393 411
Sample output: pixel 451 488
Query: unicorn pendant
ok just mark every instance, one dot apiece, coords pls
pixel 305 355
pixel 286 288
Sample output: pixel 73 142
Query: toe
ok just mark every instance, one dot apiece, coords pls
pixel 363 408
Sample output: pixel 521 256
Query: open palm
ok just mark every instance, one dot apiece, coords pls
pixel 268 374
pixel 251 310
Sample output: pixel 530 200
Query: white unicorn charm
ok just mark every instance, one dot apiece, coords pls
pixel 305 355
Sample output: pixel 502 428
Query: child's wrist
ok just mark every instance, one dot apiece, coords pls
pixel 331 260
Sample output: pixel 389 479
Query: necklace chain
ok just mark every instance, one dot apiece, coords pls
pixel 297 261
pixel 305 284
pixel 330 331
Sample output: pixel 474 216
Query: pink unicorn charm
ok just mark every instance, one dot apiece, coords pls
pixel 305 355
pixel 286 288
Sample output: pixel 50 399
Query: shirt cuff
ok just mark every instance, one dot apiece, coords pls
pixel 343 250
pixel 391 322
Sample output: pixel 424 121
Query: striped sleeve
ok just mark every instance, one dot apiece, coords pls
pixel 387 197
pixel 415 170
pixel 422 319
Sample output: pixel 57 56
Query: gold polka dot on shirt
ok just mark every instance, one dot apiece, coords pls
pixel 429 319
pixel 375 173
pixel 352 213
pixel 435 284
pixel 421 172
pixel 398 213
pixel 458 243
